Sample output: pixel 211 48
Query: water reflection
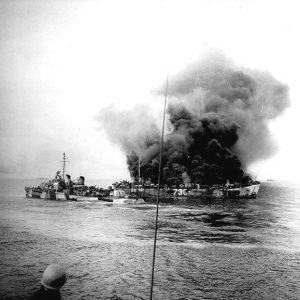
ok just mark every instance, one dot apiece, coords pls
pixel 256 221
pixel 237 249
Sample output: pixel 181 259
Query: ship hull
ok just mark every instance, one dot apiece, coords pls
pixel 246 192
pixel 33 193
pixel 60 196
pixel 47 195
pixel 221 192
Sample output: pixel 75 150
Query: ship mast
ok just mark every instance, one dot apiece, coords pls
pixel 139 171
pixel 64 161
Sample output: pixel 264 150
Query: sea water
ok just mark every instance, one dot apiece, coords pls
pixel 206 249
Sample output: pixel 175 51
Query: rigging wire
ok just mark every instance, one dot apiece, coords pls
pixel 158 187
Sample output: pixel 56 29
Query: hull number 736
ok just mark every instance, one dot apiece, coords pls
pixel 180 192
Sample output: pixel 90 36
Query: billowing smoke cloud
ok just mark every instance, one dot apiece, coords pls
pixel 217 124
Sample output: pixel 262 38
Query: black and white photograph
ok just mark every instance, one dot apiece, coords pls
pixel 149 149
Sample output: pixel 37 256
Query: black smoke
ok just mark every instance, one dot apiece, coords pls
pixel 217 119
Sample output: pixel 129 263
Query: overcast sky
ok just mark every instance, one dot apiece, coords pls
pixel 63 61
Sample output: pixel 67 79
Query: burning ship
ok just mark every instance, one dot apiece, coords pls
pixel 192 191
pixel 216 126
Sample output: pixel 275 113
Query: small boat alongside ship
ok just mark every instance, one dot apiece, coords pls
pixel 119 196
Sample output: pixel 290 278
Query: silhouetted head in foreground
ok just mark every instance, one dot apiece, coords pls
pixel 54 277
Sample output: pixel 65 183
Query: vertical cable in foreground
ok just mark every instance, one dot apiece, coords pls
pixel 158 187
